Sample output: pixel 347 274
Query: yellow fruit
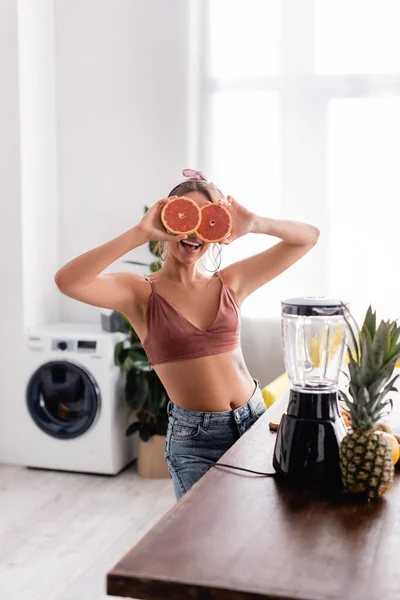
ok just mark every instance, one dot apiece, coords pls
pixel 346 417
pixel 384 427
pixel 347 421
pixel 394 443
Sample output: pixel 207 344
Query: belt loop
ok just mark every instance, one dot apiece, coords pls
pixel 253 400
pixel 252 408
pixel 206 420
pixel 169 407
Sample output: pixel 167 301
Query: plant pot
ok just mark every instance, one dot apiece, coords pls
pixel 151 462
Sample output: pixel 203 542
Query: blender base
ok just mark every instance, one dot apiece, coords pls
pixel 308 439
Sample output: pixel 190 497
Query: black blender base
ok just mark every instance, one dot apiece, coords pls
pixel 308 439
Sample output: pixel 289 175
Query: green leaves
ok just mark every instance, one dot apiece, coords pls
pixel 353 331
pixel 133 428
pixel 153 247
pixel 369 326
pixel 377 350
pixel 155 266
pixel 135 262
pixel 136 390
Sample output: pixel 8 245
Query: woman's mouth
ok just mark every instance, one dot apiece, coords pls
pixel 191 245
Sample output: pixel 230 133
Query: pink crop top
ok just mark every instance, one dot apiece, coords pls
pixel 170 336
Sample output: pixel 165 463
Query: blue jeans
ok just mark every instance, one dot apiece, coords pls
pixel 196 440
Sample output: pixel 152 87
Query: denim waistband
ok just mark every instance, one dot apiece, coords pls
pixel 194 416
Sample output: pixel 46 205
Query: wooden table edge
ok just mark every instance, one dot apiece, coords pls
pixel 117 584
pixel 138 587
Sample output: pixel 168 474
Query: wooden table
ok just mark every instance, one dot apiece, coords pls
pixel 236 535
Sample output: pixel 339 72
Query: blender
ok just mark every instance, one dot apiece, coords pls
pixel 314 341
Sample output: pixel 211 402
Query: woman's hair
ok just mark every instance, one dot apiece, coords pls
pixel 212 194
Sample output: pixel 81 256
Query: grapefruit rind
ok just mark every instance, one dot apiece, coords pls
pixel 226 233
pixel 164 216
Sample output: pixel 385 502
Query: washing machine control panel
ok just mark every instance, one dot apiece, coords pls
pixel 63 345
pixel 74 345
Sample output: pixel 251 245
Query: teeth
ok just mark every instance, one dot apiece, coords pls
pixel 189 243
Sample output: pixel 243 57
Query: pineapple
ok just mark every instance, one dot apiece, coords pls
pixel 365 455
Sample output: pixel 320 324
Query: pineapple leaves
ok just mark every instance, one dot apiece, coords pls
pixel 343 397
pixel 384 374
pixel 351 331
pixel 373 353
pixel 369 326
pixel 367 363
pixel 394 343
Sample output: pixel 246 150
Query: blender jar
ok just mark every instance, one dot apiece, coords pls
pixel 314 336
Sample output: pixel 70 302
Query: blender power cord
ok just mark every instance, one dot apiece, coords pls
pixel 247 470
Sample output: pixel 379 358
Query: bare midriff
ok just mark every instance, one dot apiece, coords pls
pixel 211 383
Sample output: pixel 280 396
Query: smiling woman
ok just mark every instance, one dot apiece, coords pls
pixel 189 322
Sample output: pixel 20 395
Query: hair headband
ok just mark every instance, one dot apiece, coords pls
pixel 193 175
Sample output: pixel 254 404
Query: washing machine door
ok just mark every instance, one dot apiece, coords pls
pixel 63 399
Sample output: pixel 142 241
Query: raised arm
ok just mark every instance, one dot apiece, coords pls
pixel 83 278
pixel 249 274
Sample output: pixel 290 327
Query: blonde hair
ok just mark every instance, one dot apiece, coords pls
pixel 212 194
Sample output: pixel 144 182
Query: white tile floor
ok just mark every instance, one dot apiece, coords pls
pixel 60 533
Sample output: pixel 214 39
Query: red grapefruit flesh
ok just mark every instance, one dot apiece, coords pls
pixel 181 215
pixel 216 223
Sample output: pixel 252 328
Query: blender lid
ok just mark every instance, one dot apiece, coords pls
pixel 313 306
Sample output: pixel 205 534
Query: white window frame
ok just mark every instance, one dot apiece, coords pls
pixel 304 99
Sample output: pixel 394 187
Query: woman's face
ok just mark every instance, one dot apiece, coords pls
pixel 192 248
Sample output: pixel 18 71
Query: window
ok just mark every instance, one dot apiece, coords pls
pixel 300 126
pixel 364 193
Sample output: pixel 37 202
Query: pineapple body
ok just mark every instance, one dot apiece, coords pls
pixel 366 463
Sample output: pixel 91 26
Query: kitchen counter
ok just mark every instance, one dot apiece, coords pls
pixel 237 536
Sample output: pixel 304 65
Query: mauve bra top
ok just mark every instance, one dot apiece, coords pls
pixel 170 336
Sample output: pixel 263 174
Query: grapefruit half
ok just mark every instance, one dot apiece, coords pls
pixel 216 223
pixel 181 215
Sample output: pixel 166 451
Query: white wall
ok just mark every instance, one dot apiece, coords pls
pixel 110 107
pixel 11 311
pixel 38 161
pixel 122 118
pixel 105 130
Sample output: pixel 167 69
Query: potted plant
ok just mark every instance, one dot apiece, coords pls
pixel 144 394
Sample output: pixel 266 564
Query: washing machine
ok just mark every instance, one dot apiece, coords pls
pixel 75 414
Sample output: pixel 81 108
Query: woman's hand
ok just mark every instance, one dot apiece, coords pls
pixel 242 220
pixel 152 228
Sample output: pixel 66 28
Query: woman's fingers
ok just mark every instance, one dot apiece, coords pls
pixel 228 201
pixel 227 240
pixel 174 238
pixel 162 202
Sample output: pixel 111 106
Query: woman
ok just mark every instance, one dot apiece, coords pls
pixel 188 321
